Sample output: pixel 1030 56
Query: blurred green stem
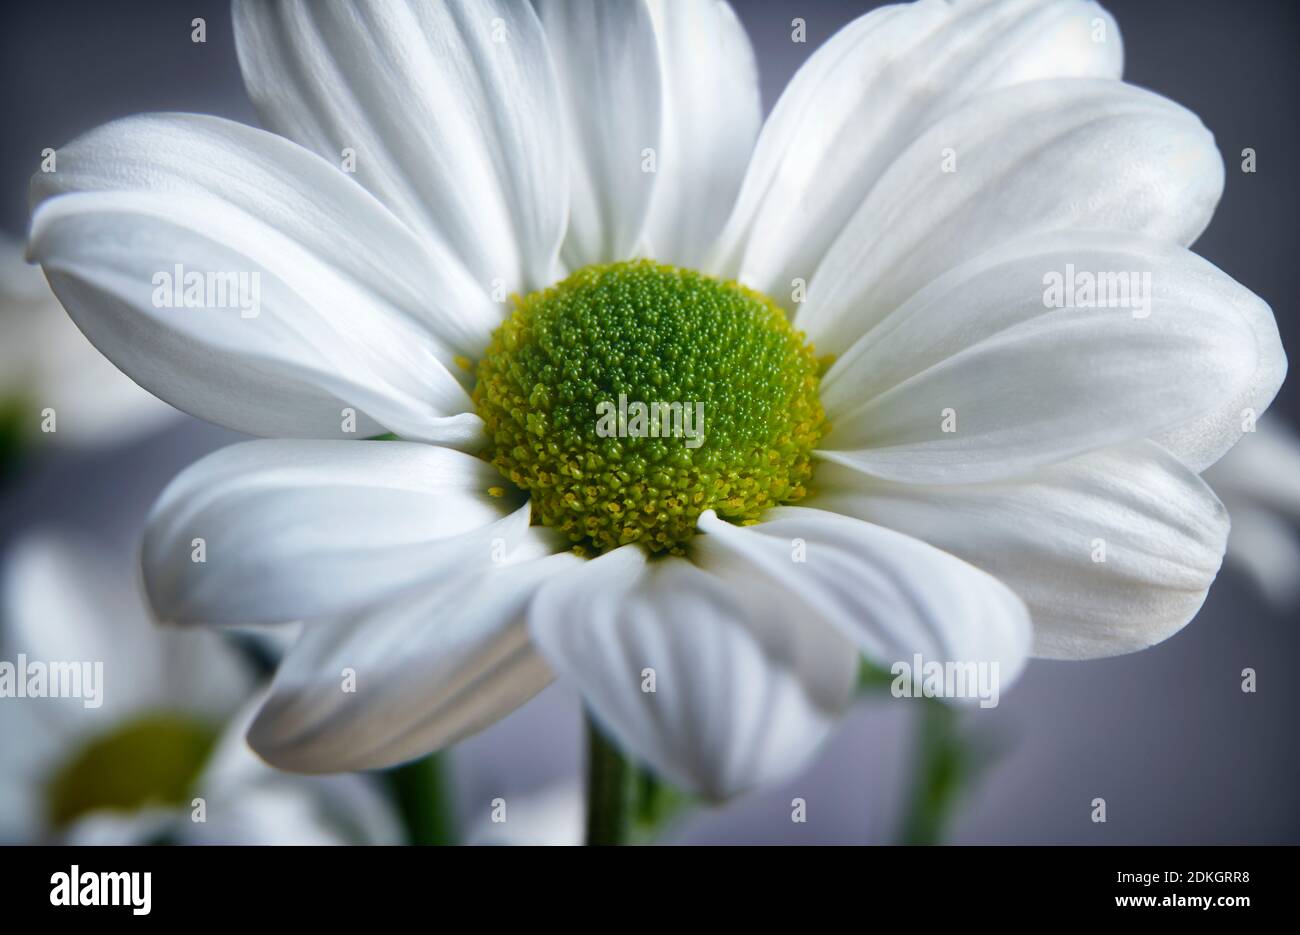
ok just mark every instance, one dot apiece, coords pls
pixel 423 792
pixel 944 767
pixel 625 804
pixel 946 762
pixel 609 790
pixel 14 437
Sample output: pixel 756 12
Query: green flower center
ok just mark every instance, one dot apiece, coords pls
pixel 630 398
pixel 152 760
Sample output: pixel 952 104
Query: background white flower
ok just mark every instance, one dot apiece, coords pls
pixel 487 166
pixel 62 603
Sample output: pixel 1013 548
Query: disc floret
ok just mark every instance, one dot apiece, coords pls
pixel 631 397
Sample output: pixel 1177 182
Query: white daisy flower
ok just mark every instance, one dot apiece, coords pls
pixel 53 383
pixel 148 746
pixel 980 474
pixel 1259 482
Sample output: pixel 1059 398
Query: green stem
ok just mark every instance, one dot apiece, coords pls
pixel 944 766
pixel 423 792
pixel 610 790
pixel 625 803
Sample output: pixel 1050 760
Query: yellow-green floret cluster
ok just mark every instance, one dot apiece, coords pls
pixel 559 386
pixel 153 761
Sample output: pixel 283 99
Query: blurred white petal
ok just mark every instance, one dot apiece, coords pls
pixel 62 602
pixel 65 600
pixel 550 817
pixel 1259 481
pixel 45 362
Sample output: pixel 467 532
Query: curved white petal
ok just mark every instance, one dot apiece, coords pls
pixel 451 111
pixel 298 529
pixel 894 595
pixel 326 300
pixel 744 690
pixel 446 658
pixel 1050 155
pixel 607 63
pixel 249 802
pixel 867 93
pixel 980 375
pixel 1112 552
pixel 711 117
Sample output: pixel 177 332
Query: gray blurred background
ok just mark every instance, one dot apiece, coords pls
pixel 1166 736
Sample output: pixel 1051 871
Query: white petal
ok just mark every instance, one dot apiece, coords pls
pixel 867 93
pixel 1050 155
pixel 270 816
pixel 550 817
pixel 67 602
pixel 894 595
pixel 1259 481
pixel 1027 384
pixel 21 284
pixel 62 603
pixel 45 362
pixel 250 802
pixel 445 659
pixel 122 829
pixel 451 109
pixel 33 748
pixel 744 689
pixel 296 530
pixel 341 306
pixel 1158 527
pixel 711 117
pixel 607 65
pixel 1265 547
